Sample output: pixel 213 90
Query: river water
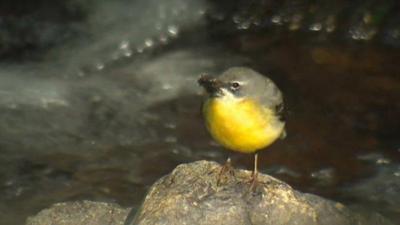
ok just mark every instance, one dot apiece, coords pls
pixel 106 101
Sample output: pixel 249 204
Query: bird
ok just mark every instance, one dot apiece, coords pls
pixel 242 111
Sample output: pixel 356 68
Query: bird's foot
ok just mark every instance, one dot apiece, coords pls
pixel 227 169
pixel 254 183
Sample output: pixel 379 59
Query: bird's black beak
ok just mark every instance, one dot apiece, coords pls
pixel 210 84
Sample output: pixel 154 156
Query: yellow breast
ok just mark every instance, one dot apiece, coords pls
pixel 241 125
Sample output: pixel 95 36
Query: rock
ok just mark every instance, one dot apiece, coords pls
pixel 80 213
pixel 190 195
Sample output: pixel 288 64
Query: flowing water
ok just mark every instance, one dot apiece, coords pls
pixel 103 101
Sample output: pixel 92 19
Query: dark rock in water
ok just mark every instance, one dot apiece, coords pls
pixel 80 213
pixel 190 195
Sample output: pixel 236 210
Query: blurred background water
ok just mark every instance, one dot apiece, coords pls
pixel 98 99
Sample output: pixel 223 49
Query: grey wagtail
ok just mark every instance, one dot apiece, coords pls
pixel 242 111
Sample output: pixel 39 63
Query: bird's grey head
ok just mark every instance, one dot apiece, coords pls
pixel 242 82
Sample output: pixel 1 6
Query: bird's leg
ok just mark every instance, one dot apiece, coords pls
pixel 227 167
pixel 254 175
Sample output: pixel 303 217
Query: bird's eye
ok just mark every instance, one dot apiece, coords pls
pixel 235 85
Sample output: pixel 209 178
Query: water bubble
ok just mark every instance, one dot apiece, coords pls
pixel 330 24
pixel 392 36
pixel 244 25
pixel 395 33
pixel 96 98
pixel 236 19
pixel 316 27
pixel 170 125
pixel 213 143
pixel 127 53
pixel 371 157
pixel 276 19
pixel 163 39
pixel 323 173
pixel 330 28
pixel 375 158
pixel 166 86
pixel 173 30
pixel 367 18
pixel 81 73
pixel 148 42
pixel 124 45
pixel 296 22
pixel 324 176
pixel 381 161
pixel 158 26
pixel 182 150
pixel 212 154
pixel 201 12
pixel 170 139
pixel 362 32
pixel 19 191
pixel 176 11
pixel 219 16
pixel 140 49
pixel 257 21
pixel 12 106
pixel 99 66
pixel 356 34
pixel 9 183
pixel 283 170
pixel 48 102
pixel 115 56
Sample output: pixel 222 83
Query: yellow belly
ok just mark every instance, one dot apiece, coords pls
pixel 241 125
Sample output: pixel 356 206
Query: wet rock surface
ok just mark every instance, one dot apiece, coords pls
pixel 80 213
pixel 190 195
